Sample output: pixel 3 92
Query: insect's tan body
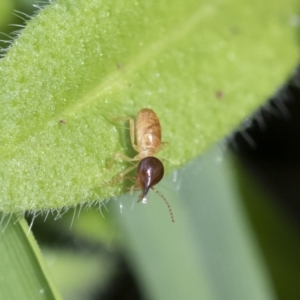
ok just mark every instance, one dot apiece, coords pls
pixel 147 134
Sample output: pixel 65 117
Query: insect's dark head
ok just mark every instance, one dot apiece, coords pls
pixel 150 171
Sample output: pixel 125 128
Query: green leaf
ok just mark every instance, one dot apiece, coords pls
pixel 202 66
pixel 210 252
pixel 22 269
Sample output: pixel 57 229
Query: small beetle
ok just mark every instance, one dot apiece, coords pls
pixel 145 136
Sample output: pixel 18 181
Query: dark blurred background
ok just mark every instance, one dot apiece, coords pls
pixel 268 145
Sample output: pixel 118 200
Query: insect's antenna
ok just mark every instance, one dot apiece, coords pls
pixel 166 201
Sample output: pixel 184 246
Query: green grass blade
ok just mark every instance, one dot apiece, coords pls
pixel 210 252
pixel 21 266
pixel 79 63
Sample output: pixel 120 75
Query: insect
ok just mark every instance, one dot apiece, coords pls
pixel 145 136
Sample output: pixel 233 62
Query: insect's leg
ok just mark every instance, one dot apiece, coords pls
pixel 163 145
pixel 121 176
pixel 132 188
pixel 132 130
pixel 132 135
pixel 119 155
pixel 126 171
